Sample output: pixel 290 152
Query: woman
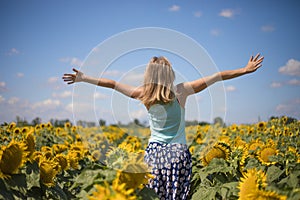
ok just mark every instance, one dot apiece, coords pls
pixel 167 152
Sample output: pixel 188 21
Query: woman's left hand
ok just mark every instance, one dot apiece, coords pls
pixel 72 78
pixel 254 63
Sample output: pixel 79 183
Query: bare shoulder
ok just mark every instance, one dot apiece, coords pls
pixel 181 93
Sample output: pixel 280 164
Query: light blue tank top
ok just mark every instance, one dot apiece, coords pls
pixel 167 123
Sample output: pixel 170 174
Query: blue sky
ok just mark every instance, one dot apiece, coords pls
pixel 41 40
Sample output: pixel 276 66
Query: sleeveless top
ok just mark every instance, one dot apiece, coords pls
pixel 167 123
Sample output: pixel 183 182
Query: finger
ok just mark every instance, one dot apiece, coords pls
pixel 251 58
pixel 72 75
pixel 68 77
pixel 259 65
pixel 261 59
pixel 71 82
pixel 75 70
pixel 66 80
pixel 257 55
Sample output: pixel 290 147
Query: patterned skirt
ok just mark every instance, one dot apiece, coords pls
pixel 171 167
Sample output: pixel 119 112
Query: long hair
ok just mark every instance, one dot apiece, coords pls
pixel 158 82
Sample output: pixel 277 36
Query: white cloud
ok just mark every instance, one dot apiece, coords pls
pixel 12 51
pixel 276 85
pixel 98 95
pixel 294 82
pixel 20 75
pixel 64 94
pixel 2 86
pixel 197 14
pixel 46 104
pixel 138 114
pixel 2 99
pixel 290 108
pixel 133 78
pixel 267 28
pixel 113 73
pixel 174 8
pixel 230 88
pixel 227 13
pixel 215 32
pixel 292 68
pixel 53 79
pixel 73 61
pixel 13 100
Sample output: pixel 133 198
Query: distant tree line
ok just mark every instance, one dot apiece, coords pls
pixel 136 122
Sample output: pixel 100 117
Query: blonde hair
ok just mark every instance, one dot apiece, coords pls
pixel 158 82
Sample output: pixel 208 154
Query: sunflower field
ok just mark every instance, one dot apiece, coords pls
pixel 254 161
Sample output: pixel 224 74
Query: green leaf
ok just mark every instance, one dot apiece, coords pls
pixel 35 193
pixel 148 194
pixel 18 181
pixel 217 165
pixel 4 192
pixel 273 173
pixel 205 194
pixel 56 193
pixel 293 181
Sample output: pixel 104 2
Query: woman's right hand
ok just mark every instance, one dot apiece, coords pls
pixel 73 78
pixel 254 63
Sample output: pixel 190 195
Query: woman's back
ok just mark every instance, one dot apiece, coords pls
pixel 167 122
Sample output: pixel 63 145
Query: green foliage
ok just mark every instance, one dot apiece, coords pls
pixel 219 179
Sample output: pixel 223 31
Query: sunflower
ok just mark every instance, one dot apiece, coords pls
pixel 267 195
pixel 12 125
pixel 49 126
pixel 265 152
pixel 239 143
pixel 284 119
pixel 17 131
pixel 59 148
pixel 37 156
pixel 13 156
pixel 224 138
pixel 255 145
pixel 48 171
pixel 73 159
pixel 133 174
pixel 67 125
pixel 47 151
pixel 79 148
pixel 131 143
pixel 25 130
pixel 248 185
pixel 122 191
pixel 252 181
pixel 116 157
pixel 233 127
pixel 58 130
pixel 62 161
pixel 100 193
pixel 192 149
pixel 29 141
pixel 261 126
pixel 96 155
pixel 251 130
pixel 219 150
pixel 244 156
pixel 116 192
pixel 37 128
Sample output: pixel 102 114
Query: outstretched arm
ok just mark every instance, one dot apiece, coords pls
pixel 130 91
pixel 200 84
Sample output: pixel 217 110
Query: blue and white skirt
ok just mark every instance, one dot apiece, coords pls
pixel 171 167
